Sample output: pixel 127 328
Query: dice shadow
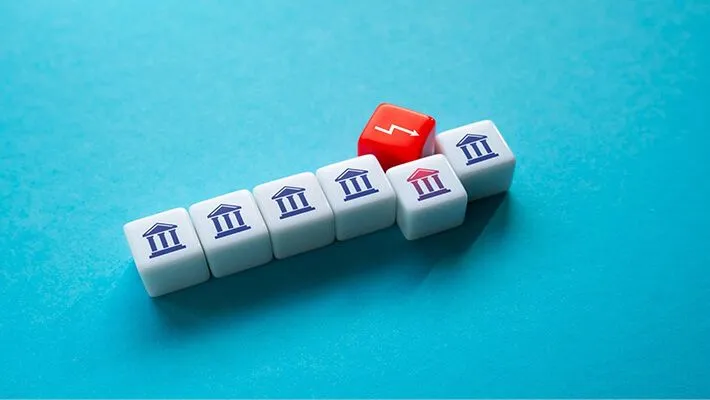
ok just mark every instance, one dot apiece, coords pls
pixel 301 277
pixel 444 249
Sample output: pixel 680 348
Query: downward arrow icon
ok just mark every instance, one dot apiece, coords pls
pixel 397 127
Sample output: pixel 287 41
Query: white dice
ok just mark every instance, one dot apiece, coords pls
pixel 430 198
pixel 297 214
pixel 480 157
pixel 232 231
pixel 166 251
pixel 360 195
pixel 175 249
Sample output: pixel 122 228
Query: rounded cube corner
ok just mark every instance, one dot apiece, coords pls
pixel 305 174
pixel 384 105
pixel 321 171
pixel 127 226
pixel 192 209
pixel 258 189
pixel 177 210
pixel 411 236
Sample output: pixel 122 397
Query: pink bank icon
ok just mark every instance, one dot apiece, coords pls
pixel 422 180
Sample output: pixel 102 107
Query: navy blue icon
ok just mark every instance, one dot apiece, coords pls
pixel 473 141
pixel 353 175
pixel 286 195
pixel 227 212
pixel 162 230
pixel 421 180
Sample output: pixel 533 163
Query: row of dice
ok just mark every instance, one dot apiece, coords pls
pixel 179 248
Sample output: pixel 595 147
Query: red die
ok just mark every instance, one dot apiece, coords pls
pixel 396 135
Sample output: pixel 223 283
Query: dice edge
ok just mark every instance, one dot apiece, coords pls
pixel 388 202
pixel 277 246
pixel 141 267
pixel 128 226
pixel 501 166
pixel 217 246
pixel 224 271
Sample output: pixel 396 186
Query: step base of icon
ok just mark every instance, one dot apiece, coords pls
pixel 424 193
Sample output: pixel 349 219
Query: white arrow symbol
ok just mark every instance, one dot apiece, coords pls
pixel 393 127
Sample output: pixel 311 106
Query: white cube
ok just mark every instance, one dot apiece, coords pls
pixel 297 214
pixel 480 157
pixel 233 233
pixel 430 198
pixel 360 195
pixel 167 252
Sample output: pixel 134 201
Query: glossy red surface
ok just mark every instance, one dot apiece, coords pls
pixel 396 135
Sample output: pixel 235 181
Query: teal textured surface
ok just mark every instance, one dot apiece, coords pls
pixel 591 278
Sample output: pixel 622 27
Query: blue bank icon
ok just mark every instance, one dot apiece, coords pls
pixel 355 184
pixel 167 239
pixel 472 142
pixel 427 183
pixel 231 216
pixel 288 204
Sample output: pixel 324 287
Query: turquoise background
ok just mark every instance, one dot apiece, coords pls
pixel 591 278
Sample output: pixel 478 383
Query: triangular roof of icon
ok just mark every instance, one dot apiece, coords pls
pixel 350 173
pixel 223 209
pixel 287 191
pixel 159 227
pixel 470 138
pixel 421 173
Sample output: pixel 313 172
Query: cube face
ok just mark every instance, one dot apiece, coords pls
pixel 396 135
pixel 166 251
pixel 296 213
pixel 430 197
pixel 232 232
pixel 360 195
pixel 480 157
